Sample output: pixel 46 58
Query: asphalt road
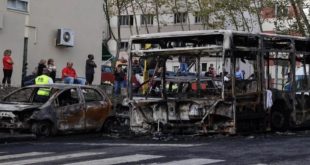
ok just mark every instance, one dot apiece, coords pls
pixel 188 150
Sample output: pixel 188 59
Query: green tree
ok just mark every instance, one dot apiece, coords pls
pixel 115 8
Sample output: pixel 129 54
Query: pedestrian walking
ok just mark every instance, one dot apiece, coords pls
pixel 51 68
pixel 90 69
pixel 7 67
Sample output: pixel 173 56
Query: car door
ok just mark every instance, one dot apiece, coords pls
pixel 97 108
pixel 70 111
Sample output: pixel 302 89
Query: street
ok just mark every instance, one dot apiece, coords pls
pixel 286 148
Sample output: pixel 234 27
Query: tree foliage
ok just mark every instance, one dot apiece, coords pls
pixel 241 15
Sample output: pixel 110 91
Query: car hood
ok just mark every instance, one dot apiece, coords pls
pixel 16 107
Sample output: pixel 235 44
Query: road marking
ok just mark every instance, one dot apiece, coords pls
pixel 118 160
pixel 52 158
pixel 190 161
pixel 136 144
pixel 4 157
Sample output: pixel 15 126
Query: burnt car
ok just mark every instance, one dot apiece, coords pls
pixel 68 108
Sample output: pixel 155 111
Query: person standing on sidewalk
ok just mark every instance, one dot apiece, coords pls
pixel 90 69
pixel 41 66
pixel 43 93
pixel 7 67
pixel 119 81
pixel 51 68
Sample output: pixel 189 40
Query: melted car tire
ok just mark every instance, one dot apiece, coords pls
pixel 42 129
pixel 111 125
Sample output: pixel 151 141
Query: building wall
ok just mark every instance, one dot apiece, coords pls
pixel 12 37
pixel 85 18
pixel 40 24
pixel 270 17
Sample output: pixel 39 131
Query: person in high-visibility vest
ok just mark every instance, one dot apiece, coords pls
pixel 43 93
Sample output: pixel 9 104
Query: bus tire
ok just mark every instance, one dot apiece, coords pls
pixel 279 120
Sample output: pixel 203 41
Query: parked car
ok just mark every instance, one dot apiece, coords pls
pixel 69 108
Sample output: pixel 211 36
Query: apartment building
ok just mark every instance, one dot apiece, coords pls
pixel 281 13
pixel 65 30
pixel 144 22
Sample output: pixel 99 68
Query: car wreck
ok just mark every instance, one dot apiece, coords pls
pixel 68 108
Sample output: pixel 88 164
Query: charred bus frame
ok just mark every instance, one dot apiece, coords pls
pixel 287 76
pixel 231 106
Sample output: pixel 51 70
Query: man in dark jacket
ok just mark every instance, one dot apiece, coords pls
pixel 90 69
pixel 119 81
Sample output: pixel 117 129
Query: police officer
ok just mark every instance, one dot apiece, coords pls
pixel 43 93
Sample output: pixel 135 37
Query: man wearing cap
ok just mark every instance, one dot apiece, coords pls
pixel 43 93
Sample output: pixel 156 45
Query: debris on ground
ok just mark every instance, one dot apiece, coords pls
pixel 287 133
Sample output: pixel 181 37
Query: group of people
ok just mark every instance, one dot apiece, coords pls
pixel 46 75
pixel 45 72
pixel 69 75
pixel 48 66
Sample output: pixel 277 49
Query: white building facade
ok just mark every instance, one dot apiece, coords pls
pixel 30 29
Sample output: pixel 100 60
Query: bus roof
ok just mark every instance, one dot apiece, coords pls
pixel 208 32
pixel 187 51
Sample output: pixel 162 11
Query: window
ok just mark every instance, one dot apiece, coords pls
pixel 147 19
pixel 91 95
pixel 68 97
pixel 125 20
pixel 175 69
pixel 282 11
pixel 124 45
pixel 180 17
pixel 204 67
pixel 200 17
pixel 16 96
pixel 20 5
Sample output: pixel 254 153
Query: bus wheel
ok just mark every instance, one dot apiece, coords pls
pixel 279 120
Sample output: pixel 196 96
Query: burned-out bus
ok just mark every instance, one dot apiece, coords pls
pixel 286 73
pixel 215 81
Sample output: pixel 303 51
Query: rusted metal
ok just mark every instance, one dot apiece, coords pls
pixel 69 108
pixel 230 107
